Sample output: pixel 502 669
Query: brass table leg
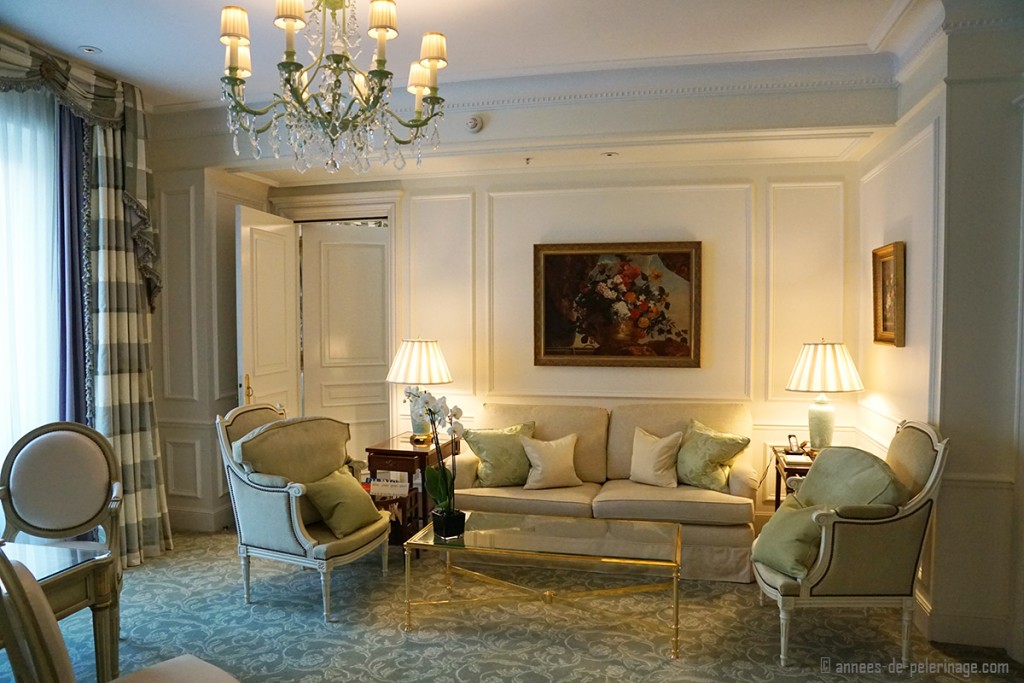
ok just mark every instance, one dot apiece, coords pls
pixel 675 613
pixel 408 597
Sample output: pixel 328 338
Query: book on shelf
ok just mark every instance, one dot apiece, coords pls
pixel 384 488
pixel 797 459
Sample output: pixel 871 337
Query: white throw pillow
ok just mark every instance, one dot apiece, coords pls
pixel 551 462
pixel 654 458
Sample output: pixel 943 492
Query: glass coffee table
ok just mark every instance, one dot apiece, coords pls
pixel 574 541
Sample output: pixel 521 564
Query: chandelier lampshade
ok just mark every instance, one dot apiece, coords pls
pixel 330 112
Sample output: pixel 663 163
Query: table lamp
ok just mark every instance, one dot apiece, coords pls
pixel 823 367
pixel 418 362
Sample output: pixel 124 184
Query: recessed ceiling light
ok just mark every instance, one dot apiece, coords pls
pixel 609 154
pixel 90 49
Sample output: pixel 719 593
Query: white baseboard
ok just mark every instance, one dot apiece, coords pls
pixel 201 520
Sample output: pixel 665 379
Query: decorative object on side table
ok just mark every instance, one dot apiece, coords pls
pixel 823 367
pixel 888 276
pixel 448 521
pixel 617 304
pixel 419 361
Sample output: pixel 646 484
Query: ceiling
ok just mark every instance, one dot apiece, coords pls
pixel 171 49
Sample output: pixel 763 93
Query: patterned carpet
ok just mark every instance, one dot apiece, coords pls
pixel 190 600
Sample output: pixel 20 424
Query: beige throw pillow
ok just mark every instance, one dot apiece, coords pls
pixel 654 459
pixel 706 456
pixel 551 462
pixel 342 502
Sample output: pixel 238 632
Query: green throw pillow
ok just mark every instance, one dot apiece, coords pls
pixel 706 455
pixel 839 476
pixel 503 461
pixel 342 502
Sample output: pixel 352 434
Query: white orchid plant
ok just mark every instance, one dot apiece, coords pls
pixel 438 479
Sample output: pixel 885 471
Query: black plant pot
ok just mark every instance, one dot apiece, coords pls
pixel 448 523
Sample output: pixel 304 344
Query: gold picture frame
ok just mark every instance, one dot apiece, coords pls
pixel 888 275
pixel 630 304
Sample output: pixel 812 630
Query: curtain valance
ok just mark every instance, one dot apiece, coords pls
pixel 104 102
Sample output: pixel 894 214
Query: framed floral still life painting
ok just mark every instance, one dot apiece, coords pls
pixel 611 304
pixel 888 265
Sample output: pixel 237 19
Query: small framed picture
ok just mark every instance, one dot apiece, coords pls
pixel 888 266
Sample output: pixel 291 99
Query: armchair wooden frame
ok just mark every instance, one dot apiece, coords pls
pixel 282 536
pixel 851 536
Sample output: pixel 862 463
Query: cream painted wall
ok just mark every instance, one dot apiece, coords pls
pixel 900 200
pixel 774 249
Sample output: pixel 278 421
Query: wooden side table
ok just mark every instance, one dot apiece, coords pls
pixel 399 454
pixel 786 467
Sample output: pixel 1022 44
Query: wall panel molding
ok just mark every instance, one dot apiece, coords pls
pixel 178 207
pixel 799 254
pixel 184 467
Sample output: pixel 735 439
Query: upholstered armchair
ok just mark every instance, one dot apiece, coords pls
pixel 283 476
pixel 852 532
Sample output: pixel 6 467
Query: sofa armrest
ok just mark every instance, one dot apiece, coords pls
pixel 794 483
pixel 466 465
pixel 743 480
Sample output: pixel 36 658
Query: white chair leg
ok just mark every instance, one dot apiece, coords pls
pixel 245 577
pixel 325 583
pixel 784 617
pixel 908 619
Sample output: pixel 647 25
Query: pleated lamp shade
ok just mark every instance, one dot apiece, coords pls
pixel 825 367
pixel 822 368
pixel 419 361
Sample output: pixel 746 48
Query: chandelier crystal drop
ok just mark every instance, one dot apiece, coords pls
pixel 331 113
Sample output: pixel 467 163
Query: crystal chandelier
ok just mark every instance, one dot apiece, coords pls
pixel 331 112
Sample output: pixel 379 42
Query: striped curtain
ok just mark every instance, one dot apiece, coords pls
pixel 123 281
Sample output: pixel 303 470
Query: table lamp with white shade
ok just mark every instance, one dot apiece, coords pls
pixel 419 362
pixel 823 367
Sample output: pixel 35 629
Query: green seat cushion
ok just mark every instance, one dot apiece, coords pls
pixel 503 460
pixel 706 455
pixel 342 502
pixel 789 542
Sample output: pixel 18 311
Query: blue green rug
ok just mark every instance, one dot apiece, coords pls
pixel 190 600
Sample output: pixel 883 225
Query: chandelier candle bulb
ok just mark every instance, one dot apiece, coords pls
pixel 383 27
pixel 242 62
pixel 291 17
pixel 433 55
pixel 419 85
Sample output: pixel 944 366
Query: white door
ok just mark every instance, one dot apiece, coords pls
pixel 345 326
pixel 267 291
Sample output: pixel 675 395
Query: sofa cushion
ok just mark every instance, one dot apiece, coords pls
pixel 589 423
pixel 624 499
pixel 342 502
pixel 573 501
pixel 300 449
pixel 789 542
pixel 551 462
pixel 706 455
pixel 503 461
pixel 665 418
pixel 654 458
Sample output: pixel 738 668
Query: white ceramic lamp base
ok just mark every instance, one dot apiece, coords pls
pixel 821 421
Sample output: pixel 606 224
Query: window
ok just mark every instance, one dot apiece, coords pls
pixel 29 268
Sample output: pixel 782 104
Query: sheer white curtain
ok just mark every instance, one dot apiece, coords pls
pixel 29 334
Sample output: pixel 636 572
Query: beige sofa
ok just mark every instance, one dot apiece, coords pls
pixel 718 527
